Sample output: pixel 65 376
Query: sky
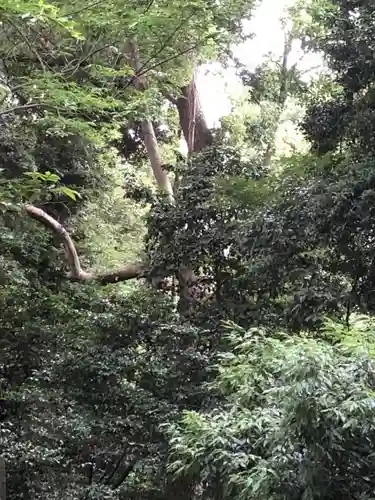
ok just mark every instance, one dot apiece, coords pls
pixel 215 88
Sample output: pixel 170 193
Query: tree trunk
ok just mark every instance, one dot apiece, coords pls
pixel 161 176
pixel 152 148
pixel 270 151
pixel 282 97
pixel 193 124
pixel 197 136
pixel 3 492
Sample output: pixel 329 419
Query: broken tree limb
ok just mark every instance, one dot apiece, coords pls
pixel 76 273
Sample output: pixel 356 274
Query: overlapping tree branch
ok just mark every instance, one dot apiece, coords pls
pixel 197 136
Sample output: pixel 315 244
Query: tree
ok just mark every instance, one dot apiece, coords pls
pixel 344 121
pixel 276 94
pixel 89 374
pixel 106 52
pixel 297 420
pixel 70 89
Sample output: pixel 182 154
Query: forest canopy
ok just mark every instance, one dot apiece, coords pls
pixel 186 310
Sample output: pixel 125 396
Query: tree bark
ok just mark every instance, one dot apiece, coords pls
pixel 197 136
pixel 161 176
pixel 193 123
pixel 282 97
pixel 3 492
pixel 152 148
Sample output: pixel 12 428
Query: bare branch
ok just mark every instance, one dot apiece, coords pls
pixel 148 7
pixel 80 62
pixel 166 42
pixel 125 474
pixel 142 72
pixel 76 273
pixel 116 467
pixel 25 107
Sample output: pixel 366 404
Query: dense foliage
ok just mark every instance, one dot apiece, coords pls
pixel 135 389
pixel 297 421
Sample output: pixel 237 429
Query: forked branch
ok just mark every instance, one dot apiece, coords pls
pixel 76 273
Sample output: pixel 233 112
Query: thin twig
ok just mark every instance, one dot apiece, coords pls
pixel 148 7
pixel 170 58
pixel 87 7
pixel 85 58
pixel 168 39
pixel 26 40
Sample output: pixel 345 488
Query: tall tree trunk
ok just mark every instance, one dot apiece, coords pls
pixel 192 121
pixel 281 100
pixel 197 136
pixel 148 132
pixel 161 176
pixel 3 492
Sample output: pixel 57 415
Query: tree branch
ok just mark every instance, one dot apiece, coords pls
pixel 25 107
pixel 76 273
pixel 27 41
pixel 87 7
pixel 166 42
pixel 116 467
pixel 125 474
pixel 169 97
pixel 142 72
